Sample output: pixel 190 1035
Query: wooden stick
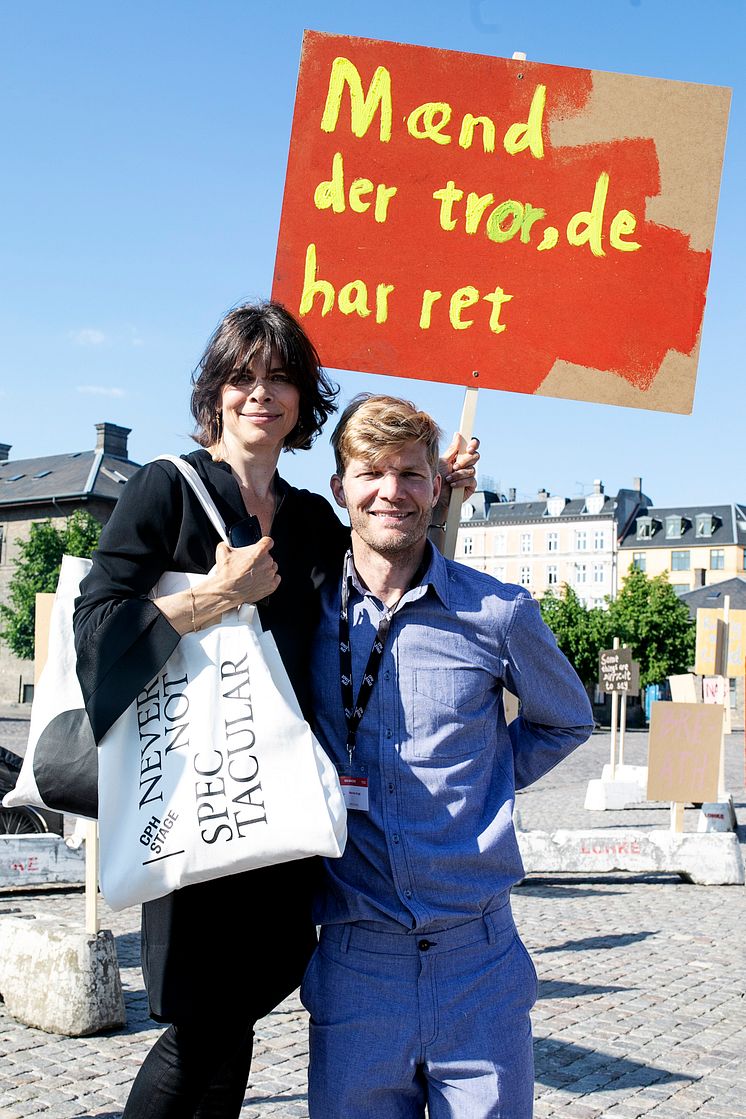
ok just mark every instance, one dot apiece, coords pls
pixel 91 878
pixel 465 428
pixel 614 719
pixel 677 817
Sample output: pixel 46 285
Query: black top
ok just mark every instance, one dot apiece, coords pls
pixel 259 920
pixel 158 525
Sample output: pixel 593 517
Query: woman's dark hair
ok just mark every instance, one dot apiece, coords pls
pixel 248 331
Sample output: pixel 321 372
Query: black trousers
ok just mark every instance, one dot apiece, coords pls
pixel 194 1071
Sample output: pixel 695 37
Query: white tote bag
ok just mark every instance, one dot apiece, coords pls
pixel 59 766
pixel 212 770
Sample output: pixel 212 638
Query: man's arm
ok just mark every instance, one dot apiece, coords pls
pixel 555 715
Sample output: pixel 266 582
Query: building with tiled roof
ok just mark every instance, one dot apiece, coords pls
pixel 550 540
pixel 52 487
pixel 697 545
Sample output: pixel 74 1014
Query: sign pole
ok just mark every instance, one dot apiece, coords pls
pixel 614 717
pixel 465 428
pixel 91 878
pixel 723 669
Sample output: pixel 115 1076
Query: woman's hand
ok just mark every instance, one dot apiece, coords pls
pixel 245 574
pixel 239 575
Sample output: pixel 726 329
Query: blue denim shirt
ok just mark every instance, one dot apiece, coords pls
pixel 437 846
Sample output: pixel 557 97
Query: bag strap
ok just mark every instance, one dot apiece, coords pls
pixel 200 491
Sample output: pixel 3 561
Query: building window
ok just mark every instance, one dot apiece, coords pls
pixel 552 577
pixel 674 527
pixel 581 573
pixel 500 574
pixel 526 576
pixel 680 588
pixel 717 559
pixel 598 573
pixel 2 544
pixel 639 561
pixel 644 528
pixel 704 524
pixel 581 541
pixel 552 542
pixel 525 543
pixel 468 545
pixel 680 561
pixel 599 540
pixel 499 544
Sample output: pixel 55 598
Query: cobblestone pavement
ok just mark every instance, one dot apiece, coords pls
pixel 641 1011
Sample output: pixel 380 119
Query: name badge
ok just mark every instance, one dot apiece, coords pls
pixel 353 780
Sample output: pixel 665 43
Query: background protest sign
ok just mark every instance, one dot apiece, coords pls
pixel 548 227
pixel 617 672
pixel 684 751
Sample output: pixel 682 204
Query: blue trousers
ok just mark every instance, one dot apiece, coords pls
pixel 401 1021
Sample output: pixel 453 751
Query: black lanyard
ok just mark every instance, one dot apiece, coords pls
pixel 355 709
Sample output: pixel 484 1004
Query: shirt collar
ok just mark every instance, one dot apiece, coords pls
pixel 435 576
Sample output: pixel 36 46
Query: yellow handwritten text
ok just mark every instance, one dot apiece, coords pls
pixel 427 121
pixel 351 299
pixel 460 300
pixel 330 194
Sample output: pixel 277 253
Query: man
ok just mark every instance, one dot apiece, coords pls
pixel 420 990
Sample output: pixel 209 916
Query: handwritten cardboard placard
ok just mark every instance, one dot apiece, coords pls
pixel 710 640
pixel 684 751
pixel 547 227
pixel 617 672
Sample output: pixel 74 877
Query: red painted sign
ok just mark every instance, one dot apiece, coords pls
pixel 549 228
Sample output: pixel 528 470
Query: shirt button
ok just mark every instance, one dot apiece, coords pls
pixel 391 786
pixel 407 893
pixel 395 838
pixel 389 732
pixel 387 675
pixel 423 945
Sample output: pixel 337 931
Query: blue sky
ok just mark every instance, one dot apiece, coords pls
pixel 144 145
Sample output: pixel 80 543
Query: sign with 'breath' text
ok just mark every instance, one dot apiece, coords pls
pixel 504 224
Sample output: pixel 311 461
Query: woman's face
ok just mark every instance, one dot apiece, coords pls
pixel 260 410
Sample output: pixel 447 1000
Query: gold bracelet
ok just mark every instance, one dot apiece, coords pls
pixel 194 620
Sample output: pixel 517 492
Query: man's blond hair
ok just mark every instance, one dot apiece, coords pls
pixel 372 427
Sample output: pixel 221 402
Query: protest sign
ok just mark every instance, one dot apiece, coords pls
pixel 711 636
pixel 684 752
pixel 617 672
pixel 500 223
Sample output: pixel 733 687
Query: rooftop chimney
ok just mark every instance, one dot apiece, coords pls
pixel 699 576
pixel 543 494
pixel 511 494
pixel 598 486
pixel 637 484
pixel 112 439
pixel 5 451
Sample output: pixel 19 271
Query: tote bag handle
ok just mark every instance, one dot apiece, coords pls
pixel 200 491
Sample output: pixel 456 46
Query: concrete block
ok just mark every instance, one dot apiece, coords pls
pixel 604 795
pixel 707 860
pixel 60 979
pixel 717 816
pixel 38 860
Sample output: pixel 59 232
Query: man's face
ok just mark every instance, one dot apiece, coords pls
pixel 390 502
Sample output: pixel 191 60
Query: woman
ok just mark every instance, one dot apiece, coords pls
pixel 220 955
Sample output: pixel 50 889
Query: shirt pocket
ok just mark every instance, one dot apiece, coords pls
pixel 453 710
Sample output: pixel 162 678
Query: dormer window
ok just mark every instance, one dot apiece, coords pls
pixel 674 527
pixel 704 524
pixel 644 528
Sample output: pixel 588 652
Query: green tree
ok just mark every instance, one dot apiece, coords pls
pixel 37 569
pixel 648 616
pixel 581 632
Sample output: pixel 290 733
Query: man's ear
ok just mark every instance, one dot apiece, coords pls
pixel 338 490
pixel 437 486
